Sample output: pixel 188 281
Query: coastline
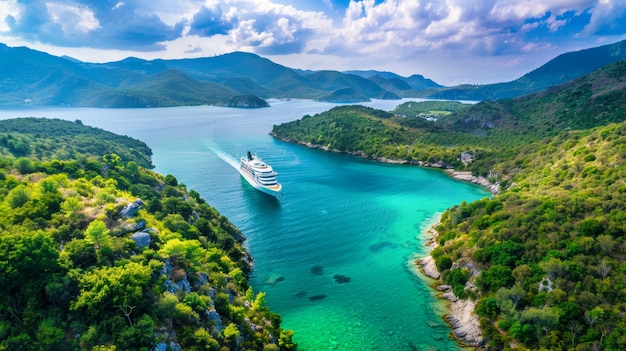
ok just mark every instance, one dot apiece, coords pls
pixel 461 317
pixel 493 188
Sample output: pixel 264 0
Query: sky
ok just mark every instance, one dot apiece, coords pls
pixel 449 41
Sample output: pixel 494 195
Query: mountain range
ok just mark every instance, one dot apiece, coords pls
pixel 246 80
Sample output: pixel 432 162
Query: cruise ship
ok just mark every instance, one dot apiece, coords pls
pixel 259 174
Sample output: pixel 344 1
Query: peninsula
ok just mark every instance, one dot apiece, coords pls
pixel 556 164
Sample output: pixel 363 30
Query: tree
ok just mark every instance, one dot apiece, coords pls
pixel 594 316
pixel 139 336
pixel 542 319
pixel 554 267
pixel 112 290
pixel 204 341
pixel 494 278
pixel 607 243
pixel 604 269
pixel 97 234
pixel 27 264
pixel 231 333
pixel 18 196
pixel 23 165
pixel 521 272
pixel 188 253
pixel 507 299
pixel 71 206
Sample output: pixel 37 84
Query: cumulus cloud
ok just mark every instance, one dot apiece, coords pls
pixel 98 24
pixel 211 21
pixel 608 18
pixel 260 26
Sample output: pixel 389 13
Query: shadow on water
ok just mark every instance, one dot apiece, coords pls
pixel 257 198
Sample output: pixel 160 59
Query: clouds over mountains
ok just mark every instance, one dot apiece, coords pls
pixel 388 28
pixel 483 26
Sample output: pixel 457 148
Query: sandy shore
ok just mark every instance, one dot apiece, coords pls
pixel 464 322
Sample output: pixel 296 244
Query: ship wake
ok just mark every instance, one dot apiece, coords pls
pixel 232 161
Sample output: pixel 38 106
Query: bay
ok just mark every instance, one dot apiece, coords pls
pixel 334 252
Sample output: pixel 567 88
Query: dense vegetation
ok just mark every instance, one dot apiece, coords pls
pixel 47 139
pixel 100 253
pixel 378 134
pixel 545 259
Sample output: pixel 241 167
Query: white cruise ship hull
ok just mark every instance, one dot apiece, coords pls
pixel 270 190
pixel 259 174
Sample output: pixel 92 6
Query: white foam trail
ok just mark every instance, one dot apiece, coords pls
pixel 232 161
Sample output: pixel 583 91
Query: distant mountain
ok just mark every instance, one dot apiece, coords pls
pixel 559 70
pixel 416 81
pixel 236 79
pixel 251 74
pixel 246 80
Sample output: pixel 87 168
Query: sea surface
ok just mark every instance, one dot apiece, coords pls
pixel 334 251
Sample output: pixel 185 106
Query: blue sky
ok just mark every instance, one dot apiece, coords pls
pixel 449 41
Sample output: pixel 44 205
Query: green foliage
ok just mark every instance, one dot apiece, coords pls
pixel 457 278
pixel 72 278
pixel 551 249
pixel 67 143
pixel 443 262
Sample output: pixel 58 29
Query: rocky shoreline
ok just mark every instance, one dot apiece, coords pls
pixel 494 188
pixel 464 322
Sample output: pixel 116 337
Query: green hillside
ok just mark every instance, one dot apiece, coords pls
pixel 592 100
pixel 545 259
pixel 100 253
pixel 54 139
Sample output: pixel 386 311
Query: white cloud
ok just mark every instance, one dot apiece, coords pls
pixel 72 17
pixel 7 8
pixel 607 13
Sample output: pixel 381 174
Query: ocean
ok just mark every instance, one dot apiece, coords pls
pixel 334 251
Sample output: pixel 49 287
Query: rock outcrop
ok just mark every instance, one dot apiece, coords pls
pixel 131 209
pixel 464 322
pixel 428 267
pixel 467 176
pixel 141 239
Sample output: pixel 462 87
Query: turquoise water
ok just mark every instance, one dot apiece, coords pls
pixel 333 253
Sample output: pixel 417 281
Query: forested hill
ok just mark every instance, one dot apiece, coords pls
pixel 47 139
pixel 99 252
pixel 494 133
pixel 545 259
